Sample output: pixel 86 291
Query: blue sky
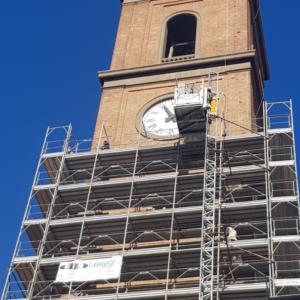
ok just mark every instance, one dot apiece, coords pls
pixel 50 52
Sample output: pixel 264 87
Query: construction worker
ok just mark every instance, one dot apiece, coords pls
pixel 230 234
pixel 105 145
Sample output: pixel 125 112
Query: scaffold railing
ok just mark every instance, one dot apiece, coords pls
pixel 152 238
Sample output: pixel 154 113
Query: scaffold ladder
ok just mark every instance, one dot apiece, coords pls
pixel 208 216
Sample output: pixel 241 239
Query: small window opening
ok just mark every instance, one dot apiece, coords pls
pixel 181 36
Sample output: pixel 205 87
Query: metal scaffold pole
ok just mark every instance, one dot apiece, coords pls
pixel 172 220
pixel 294 151
pixel 268 197
pixel 31 288
pixel 88 197
pixel 221 180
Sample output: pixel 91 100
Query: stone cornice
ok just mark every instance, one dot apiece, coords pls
pixel 174 67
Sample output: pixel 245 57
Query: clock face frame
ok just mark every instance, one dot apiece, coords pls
pixel 157 120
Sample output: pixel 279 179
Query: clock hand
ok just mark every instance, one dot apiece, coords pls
pixel 171 116
pixel 167 110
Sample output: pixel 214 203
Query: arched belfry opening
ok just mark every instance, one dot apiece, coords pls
pixel 180 35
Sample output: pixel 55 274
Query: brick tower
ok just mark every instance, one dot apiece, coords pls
pixel 220 36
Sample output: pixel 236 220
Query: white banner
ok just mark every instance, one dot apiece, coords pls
pixel 89 270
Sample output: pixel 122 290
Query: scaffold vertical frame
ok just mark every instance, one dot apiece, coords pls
pixel 206 284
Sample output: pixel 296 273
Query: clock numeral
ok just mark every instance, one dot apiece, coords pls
pixel 152 126
pixel 150 120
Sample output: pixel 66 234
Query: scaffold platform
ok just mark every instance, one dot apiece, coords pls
pixel 144 203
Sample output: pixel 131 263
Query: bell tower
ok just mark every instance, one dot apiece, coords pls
pixel 162 43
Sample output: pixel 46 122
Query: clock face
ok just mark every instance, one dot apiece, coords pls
pixel 160 121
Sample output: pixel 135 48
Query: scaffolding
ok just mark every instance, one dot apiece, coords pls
pixel 146 203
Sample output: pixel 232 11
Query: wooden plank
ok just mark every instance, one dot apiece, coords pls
pixel 151 282
pixel 125 210
pixel 195 171
pixel 140 245
pixel 120 211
